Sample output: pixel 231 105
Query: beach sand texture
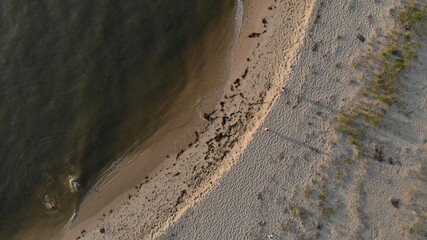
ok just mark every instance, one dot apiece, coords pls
pixel 270 164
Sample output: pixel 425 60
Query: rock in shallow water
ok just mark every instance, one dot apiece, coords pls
pixel 74 184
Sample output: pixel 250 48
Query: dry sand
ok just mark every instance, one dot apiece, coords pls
pixel 238 181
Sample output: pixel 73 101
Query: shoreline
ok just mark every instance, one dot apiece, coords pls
pixel 291 75
pixel 125 173
pixel 205 173
pixel 128 162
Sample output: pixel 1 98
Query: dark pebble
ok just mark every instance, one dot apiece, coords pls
pixel 361 38
pixel 316 20
pixel 395 202
pixel 315 47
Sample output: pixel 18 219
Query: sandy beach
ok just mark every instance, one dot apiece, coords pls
pixel 271 163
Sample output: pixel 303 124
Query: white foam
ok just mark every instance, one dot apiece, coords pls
pixel 238 22
pixel 238 17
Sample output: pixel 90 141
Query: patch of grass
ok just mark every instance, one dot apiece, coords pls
pixel 381 87
pixel 411 14
pixel 341 175
pixel 421 174
pixel 347 161
pixel 347 126
pixel 299 211
pixel 308 192
pixel 323 179
pixel 327 211
pixel 390 50
pixel 323 194
pixel 355 65
pixel 418 230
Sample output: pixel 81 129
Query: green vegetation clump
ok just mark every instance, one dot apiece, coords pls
pixel 327 211
pixel 411 14
pixel 382 86
pixel 347 161
pixel 308 192
pixel 301 212
pixel 323 195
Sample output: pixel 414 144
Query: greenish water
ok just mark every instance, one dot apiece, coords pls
pixel 82 82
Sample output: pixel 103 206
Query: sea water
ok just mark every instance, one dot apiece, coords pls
pixel 82 82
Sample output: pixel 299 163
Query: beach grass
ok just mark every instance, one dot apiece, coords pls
pixel 384 65
pixel 381 87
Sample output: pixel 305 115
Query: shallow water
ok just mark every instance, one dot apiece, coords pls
pixel 82 82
